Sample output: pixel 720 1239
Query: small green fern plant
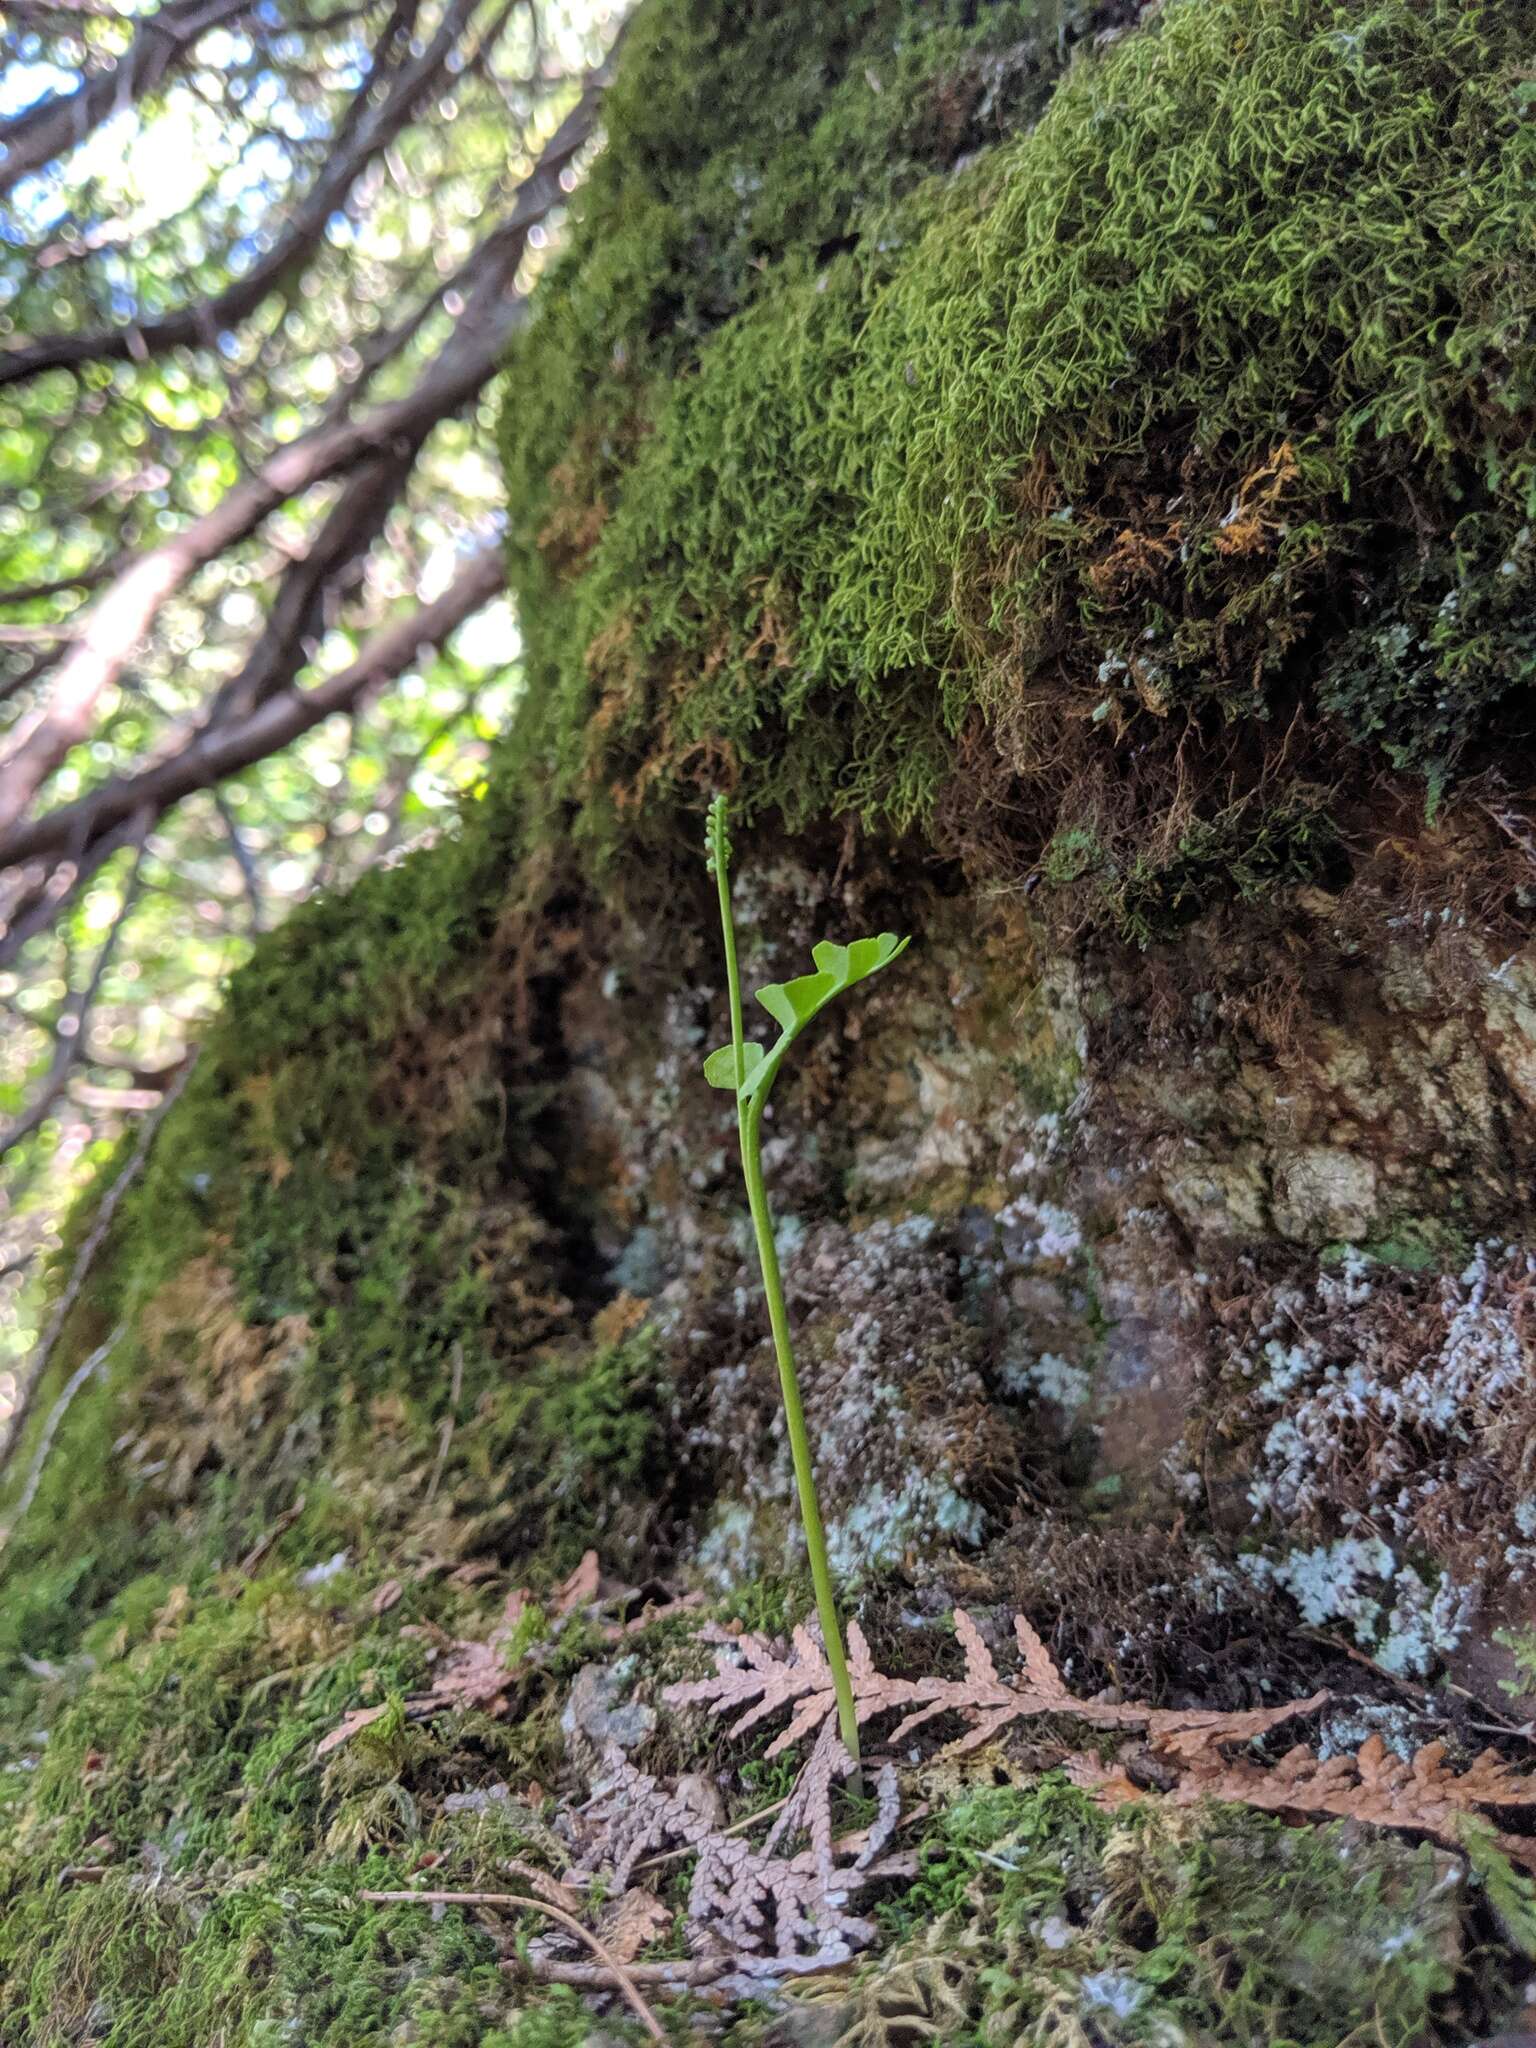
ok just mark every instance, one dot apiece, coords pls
pixel 749 1070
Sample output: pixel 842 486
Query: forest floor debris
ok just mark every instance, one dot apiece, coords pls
pixel 1188 1748
pixel 782 1896
pixel 482 1673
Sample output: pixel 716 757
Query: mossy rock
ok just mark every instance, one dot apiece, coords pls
pixel 1183 431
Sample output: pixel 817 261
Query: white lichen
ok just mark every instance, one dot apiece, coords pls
pixel 1395 1408
pixel 883 1525
pixel 1049 1377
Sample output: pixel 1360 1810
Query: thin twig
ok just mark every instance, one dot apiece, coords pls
pixel 60 1409
pixel 1506 1726
pixel 622 1978
pixel 389 436
pixel 264 1542
pixel 26 1391
pixel 87 579
pixel 446 1438
pixel 1396 1678
pixel 250 875
pixel 737 1827
pixel 18 1261
pixel 71 1045
pixel 35 631
pixel 686 1973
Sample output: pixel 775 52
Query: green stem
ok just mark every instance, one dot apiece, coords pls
pixel 721 861
pixel 794 1417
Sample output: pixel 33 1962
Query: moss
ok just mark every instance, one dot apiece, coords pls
pixel 1050 1831
pixel 1243 852
pixel 752 199
pixel 771 1605
pixel 340 1335
pixel 1417 1245
pixel 146 1967
pixel 1036 1916
pixel 570 1441
pixel 223 1858
pixel 1141 420
pixel 227 1907
pixel 560 2020
pixel 188 1747
pixel 327 1237
pixel 935 420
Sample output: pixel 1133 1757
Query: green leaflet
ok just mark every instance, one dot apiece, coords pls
pixel 793 1004
pixel 720 1067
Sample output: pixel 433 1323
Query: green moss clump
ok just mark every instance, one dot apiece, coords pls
pixel 1205 398
pixel 1243 851
pixel 756 192
pixel 324 1220
pixel 1037 1916
pixel 339 1339
pixel 576 1448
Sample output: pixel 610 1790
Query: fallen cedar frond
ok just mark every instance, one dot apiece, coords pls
pixel 1423 1794
pixel 752 1676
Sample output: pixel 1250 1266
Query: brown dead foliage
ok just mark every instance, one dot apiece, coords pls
pixel 1135 557
pixel 1424 1793
pixel 480 1675
pixel 1254 520
pixel 575 521
pixel 632 1923
pixel 763 1908
pixel 468 1675
pixel 752 1677
pixel 214 1378
pixel 1421 1793
pixel 1188 1746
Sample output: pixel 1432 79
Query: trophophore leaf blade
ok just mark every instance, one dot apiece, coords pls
pixel 793 1004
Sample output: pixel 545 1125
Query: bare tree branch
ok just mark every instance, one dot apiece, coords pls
pixel 369 127
pixel 18 1261
pixel 66 10
pixel 220 750
pixel 26 676
pixel 34 137
pixel 314 585
pixel 87 579
pixel 47 889
pixel 86 1370
pixel 70 1043
pixel 250 875
pixel 31 1379
pixel 114 626
pixel 274 474
pixel 31 635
